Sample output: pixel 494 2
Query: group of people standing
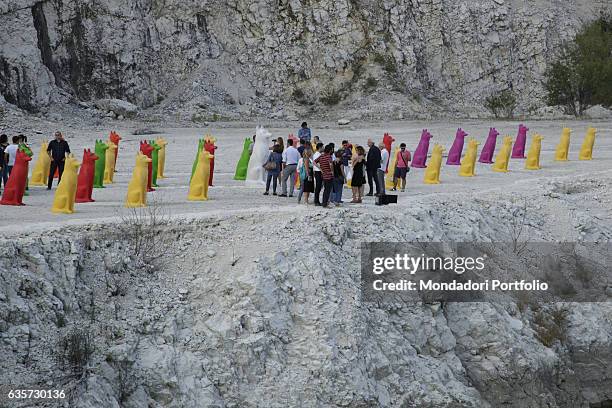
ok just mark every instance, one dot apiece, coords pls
pixel 323 169
pixel 56 149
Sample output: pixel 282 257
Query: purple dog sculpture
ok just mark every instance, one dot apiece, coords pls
pixel 419 158
pixel 454 154
pixel 486 156
pixel 518 151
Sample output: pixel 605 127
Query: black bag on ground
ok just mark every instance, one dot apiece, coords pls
pixel 386 199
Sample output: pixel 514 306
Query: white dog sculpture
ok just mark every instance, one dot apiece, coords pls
pixel 256 175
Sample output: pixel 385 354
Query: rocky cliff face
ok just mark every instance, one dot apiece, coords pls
pixel 261 55
pixel 235 317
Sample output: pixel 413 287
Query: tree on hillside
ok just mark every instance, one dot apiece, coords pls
pixel 582 75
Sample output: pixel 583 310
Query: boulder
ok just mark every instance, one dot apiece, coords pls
pixel 598 112
pixel 343 122
pixel 118 106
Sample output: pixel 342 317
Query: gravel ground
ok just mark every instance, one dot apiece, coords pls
pixel 229 195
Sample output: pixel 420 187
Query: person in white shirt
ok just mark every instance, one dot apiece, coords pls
pixel 318 180
pixel 11 154
pixel 291 157
pixel 384 163
pixel 3 164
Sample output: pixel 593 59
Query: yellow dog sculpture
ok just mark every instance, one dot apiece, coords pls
pixel 468 163
pixel 586 152
pixel 40 173
pixel 563 147
pixel 503 157
pixel 198 187
pixel 63 202
pixel 137 189
pixel 533 156
pixel 432 172
pixel 161 156
pixel 109 165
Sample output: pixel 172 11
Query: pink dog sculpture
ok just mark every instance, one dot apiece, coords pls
pixel 296 141
pixel 454 154
pixel 518 151
pixel 486 156
pixel 419 159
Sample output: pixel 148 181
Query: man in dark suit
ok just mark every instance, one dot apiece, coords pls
pixel 57 150
pixel 372 166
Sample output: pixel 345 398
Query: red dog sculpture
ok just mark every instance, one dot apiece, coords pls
pixel 16 184
pixel 115 138
pixel 209 146
pixel 147 150
pixel 388 142
pixel 86 177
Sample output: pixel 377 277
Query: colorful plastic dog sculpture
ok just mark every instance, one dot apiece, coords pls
pixel 209 146
pixel 586 152
pixel 432 173
pixel 243 162
pixel 486 155
pixel 533 156
pixel 100 150
pixel 137 189
pixel 389 184
pixel 503 157
pixel 419 159
pixel 296 141
pixel 454 154
pixel 147 150
pixel 468 164
pixel 161 157
pixel 197 157
pixel 63 202
pixel 562 151
pixel 255 171
pixel 40 174
pixel 388 142
pixel 26 149
pixel 16 183
pixel 198 187
pixel 86 177
pixel 109 167
pixel 518 151
pixel 115 139
pixel 154 162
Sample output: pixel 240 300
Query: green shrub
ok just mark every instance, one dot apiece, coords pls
pixel 551 326
pixel 582 75
pixel 387 62
pixel 370 84
pixel 203 117
pixel 299 96
pixel 502 104
pixel 331 98
pixel 75 350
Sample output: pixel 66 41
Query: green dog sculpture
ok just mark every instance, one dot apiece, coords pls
pixel 243 162
pixel 155 158
pixel 195 162
pixel 101 148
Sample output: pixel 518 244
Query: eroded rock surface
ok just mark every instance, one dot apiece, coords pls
pixel 231 316
pixel 254 56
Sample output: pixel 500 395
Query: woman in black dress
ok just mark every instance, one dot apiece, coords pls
pixel 358 180
pixel 308 182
